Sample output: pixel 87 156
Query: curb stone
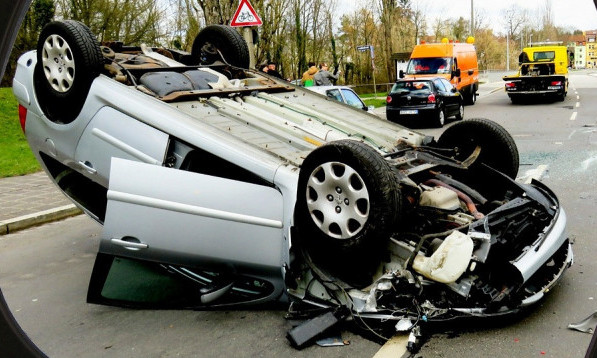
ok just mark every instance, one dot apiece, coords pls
pixel 42 217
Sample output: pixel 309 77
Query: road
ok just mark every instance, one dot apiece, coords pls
pixel 45 270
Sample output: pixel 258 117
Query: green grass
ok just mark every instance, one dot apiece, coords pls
pixel 16 157
pixel 369 95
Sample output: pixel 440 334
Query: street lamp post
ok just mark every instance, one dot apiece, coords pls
pixel 472 20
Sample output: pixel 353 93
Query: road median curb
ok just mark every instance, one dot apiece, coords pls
pixel 39 218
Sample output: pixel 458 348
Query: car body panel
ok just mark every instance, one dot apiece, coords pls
pixel 183 218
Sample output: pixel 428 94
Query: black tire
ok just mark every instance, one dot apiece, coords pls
pixel 347 203
pixel 216 39
pixel 68 60
pixel 516 99
pixel 471 97
pixel 440 118
pixel 498 149
pixel 460 114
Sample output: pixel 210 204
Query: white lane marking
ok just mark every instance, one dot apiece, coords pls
pixel 571 134
pixel 577 97
pixel 577 104
pixel 395 347
pixel 573 116
pixel 559 143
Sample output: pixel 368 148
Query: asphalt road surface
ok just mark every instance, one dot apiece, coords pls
pixel 44 271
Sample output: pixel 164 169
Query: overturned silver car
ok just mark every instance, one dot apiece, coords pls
pixel 217 185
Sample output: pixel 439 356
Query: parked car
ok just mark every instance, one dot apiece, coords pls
pixel 431 99
pixel 343 94
pixel 217 185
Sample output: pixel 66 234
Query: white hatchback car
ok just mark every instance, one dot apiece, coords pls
pixel 343 94
pixel 218 185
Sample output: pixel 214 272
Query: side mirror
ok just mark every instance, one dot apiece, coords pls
pixel 401 74
pixel 454 90
pixel 456 73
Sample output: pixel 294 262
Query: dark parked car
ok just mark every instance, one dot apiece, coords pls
pixel 432 99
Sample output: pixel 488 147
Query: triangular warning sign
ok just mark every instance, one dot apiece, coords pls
pixel 245 15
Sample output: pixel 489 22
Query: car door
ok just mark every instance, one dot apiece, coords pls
pixel 111 133
pixel 452 96
pixel 215 235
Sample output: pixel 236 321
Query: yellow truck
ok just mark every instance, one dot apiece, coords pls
pixel 543 71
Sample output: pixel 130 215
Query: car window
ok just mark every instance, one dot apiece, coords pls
pixel 440 85
pixel 447 84
pixel 335 94
pixel 352 98
pixel 415 87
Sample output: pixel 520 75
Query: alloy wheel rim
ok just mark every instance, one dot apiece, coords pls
pixel 337 200
pixel 58 63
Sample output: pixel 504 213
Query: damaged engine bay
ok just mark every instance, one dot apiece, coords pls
pixel 455 252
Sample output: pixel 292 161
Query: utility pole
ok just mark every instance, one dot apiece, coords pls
pixel 472 20
pixel 507 50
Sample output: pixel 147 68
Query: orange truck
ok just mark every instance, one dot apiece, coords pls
pixel 456 62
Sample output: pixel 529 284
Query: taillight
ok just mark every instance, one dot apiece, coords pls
pixel 510 84
pixel 431 98
pixel 389 99
pixel 556 83
pixel 22 117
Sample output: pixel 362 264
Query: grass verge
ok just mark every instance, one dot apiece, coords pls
pixel 16 157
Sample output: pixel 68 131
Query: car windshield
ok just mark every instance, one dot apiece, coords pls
pixel 431 65
pixel 352 98
pixel 414 87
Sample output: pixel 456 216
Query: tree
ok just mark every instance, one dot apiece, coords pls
pixel 40 13
pixel 131 22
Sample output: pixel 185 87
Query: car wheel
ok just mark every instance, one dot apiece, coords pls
pixel 498 149
pixel 347 202
pixel 220 43
pixel 472 98
pixel 460 113
pixel 440 118
pixel 68 59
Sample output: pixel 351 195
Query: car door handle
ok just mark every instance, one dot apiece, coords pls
pixel 87 166
pixel 127 244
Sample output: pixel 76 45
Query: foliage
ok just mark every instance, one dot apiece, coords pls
pixel 15 156
pixel 40 13
pixel 295 32
pixel 130 22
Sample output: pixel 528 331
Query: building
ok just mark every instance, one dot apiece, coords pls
pixel 579 57
pixel 591 44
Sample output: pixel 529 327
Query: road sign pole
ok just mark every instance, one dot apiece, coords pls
pixel 248 35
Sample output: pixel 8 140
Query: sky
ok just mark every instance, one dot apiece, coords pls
pixel 574 14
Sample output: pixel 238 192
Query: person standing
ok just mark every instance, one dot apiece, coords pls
pixel 271 70
pixel 307 78
pixel 324 77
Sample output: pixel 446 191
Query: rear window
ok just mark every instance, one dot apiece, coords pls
pixel 415 87
pixel 544 56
